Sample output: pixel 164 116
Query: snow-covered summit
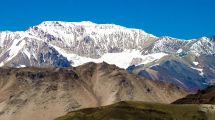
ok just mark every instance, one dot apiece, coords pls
pixel 38 45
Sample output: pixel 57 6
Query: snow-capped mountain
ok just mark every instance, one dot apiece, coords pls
pixel 89 39
pixel 63 44
pixel 84 39
pixel 75 43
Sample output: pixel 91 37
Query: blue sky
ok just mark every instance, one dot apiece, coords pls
pixel 183 19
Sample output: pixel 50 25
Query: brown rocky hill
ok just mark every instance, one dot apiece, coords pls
pixel 206 96
pixel 46 93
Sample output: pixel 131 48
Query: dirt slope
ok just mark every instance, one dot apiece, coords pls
pixel 206 96
pixel 46 93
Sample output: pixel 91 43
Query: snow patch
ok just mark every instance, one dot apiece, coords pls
pixel 195 63
pixel 14 49
pixel 199 69
pixel 180 50
pixel 27 53
pixel 76 59
pixel 152 57
pixel 21 66
pixel 122 60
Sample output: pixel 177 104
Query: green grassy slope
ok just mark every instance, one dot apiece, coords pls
pixel 140 111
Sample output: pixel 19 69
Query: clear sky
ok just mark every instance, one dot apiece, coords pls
pixel 183 19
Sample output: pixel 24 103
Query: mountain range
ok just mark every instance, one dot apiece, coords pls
pixel 186 63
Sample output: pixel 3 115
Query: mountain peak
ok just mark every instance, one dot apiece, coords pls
pixel 86 22
pixel 81 42
pixel 204 38
pixel 81 23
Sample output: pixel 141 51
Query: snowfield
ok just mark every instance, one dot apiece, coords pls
pixel 122 60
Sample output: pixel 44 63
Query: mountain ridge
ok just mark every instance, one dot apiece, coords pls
pixel 205 96
pixel 37 93
pixel 94 23
pixel 47 31
pixel 65 44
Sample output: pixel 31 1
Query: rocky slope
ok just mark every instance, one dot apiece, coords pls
pixel 46 93
pixel 190 72
pixel 206 96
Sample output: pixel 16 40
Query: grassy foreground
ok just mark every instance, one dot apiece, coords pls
pixel 140 111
